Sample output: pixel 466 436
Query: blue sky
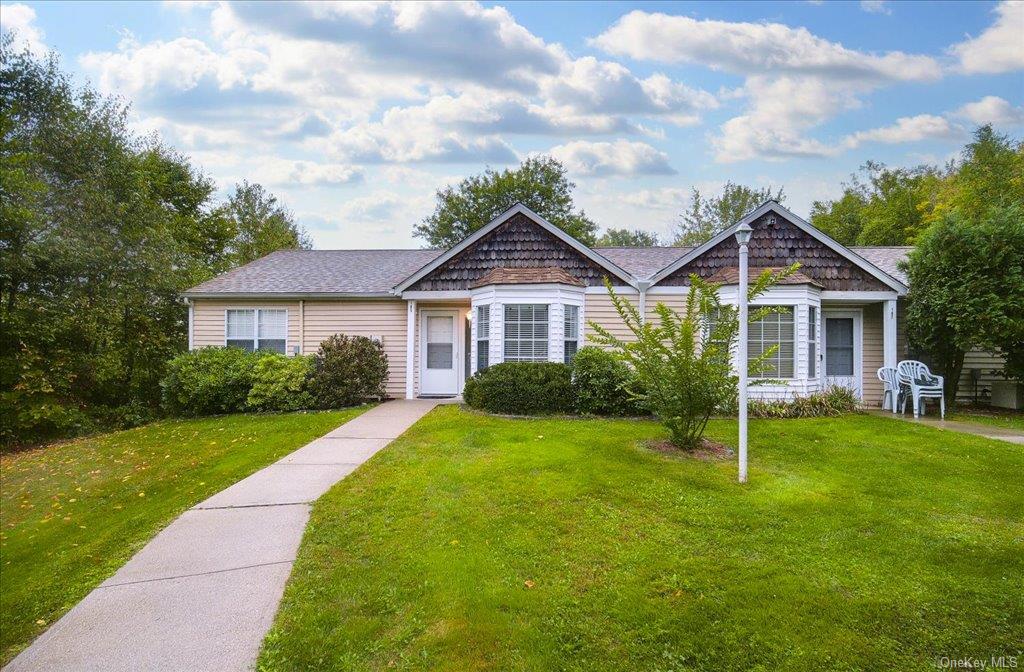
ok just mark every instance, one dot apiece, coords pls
pixel 355 113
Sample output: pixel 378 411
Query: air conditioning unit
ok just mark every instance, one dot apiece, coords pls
pixel 1008 394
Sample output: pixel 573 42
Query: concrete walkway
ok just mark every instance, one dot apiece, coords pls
pixel 203 593
pixel 976 428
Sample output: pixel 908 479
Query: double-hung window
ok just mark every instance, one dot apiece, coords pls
pixel 483 337
pixel 526 333
pixel 812 342
pixel 572 332
pixel 257 329
pixel 774 329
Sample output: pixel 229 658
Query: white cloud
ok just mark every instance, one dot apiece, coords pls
pixel 275 171
pixel 753 48
pixel 20 20
pixel 620 157
pixel 795 80
pixel 1000 48
pixel 992 110
pixel 875 6
pixel 906 129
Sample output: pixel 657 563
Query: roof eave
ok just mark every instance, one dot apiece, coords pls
pixel 271 296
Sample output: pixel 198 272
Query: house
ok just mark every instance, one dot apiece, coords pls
pixel 520 289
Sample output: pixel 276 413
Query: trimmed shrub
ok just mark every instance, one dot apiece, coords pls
pixel 348 370
pixel 209 381
pixel 832 402
pixel 522 388
pixel 280 384
pixel 603 384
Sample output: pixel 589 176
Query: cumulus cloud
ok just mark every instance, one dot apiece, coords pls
pixel 20 21
pixel 794 80
pixel 992 110
pixel 906 129
pixel 1000 48
pixel 754 48
pixel 275 171
pixel 621 157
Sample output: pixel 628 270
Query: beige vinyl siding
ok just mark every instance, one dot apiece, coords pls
pixel 384 319
pixel 208 320
pixel 872 355
pixel 598 308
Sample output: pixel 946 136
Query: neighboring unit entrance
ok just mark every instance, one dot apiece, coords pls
pixel 439 353
pixel 842 335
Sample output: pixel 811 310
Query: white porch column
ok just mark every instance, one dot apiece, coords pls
pixel 410 350
pixel 889 334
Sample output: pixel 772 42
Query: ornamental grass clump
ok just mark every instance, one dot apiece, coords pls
pixel 681 360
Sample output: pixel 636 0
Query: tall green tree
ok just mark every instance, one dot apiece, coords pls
pixel 967 289
pixel 628 238
pixel 259 224
pixel 989 176
pixel 540 183
pixel 707 216
pixel 100 231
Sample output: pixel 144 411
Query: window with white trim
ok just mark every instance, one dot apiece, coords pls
pixel 572 332
pixel 812 342
pixel 483 337
pixel 774 329
pixel 257 329
pixel 526 333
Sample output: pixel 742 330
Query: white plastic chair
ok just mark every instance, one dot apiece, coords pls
pixel 923 385
pixel 892 390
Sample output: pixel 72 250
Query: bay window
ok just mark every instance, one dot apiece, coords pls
pixel 571 333
pixel 775 329
pixel 526 333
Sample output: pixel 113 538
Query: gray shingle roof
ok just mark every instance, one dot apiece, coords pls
pixel 642 261
pixel 320 272
pixel 886 258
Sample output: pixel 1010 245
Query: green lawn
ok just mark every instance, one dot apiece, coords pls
pixel 476 542
pixel 1004 419
pixel 73 513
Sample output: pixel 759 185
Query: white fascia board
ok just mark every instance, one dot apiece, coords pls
pixel 803 225
pixel 834 295
pixel 516 209
pixel 440 294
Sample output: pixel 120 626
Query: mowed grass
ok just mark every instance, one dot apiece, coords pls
pixel 994 418
pixel 73 513
pixel 482 543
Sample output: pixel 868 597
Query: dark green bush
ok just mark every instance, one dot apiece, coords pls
pixel 832 402
pixel 31 418
pixel 603 384
pixel 348 370
pixel 280 384
pixel 522 388
pixel 209 381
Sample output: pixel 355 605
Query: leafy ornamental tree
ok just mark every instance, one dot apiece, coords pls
pixel 967 291
pixel 540 183
pixel 260 225
pixel 709 216
pixel 628 238
pixel 681 363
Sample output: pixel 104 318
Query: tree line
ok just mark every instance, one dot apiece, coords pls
pixel 100 232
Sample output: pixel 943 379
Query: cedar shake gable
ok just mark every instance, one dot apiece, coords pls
pixel 518 242
pixel 777 243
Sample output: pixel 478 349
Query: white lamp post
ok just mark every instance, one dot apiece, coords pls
pixel 743 237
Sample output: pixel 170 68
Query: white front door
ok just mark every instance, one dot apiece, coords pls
pixel 439 352
pixel 842 348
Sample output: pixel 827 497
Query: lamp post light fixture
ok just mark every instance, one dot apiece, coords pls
pixel 743 238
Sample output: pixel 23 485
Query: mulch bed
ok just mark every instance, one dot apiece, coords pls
pixel 709 451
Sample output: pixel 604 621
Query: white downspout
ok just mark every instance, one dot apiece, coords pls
pixel 191 323
pixel 410 350
pixel 643 286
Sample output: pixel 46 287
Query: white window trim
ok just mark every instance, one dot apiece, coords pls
pixel 256 325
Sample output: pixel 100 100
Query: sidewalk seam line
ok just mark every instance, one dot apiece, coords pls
pixel 188 576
